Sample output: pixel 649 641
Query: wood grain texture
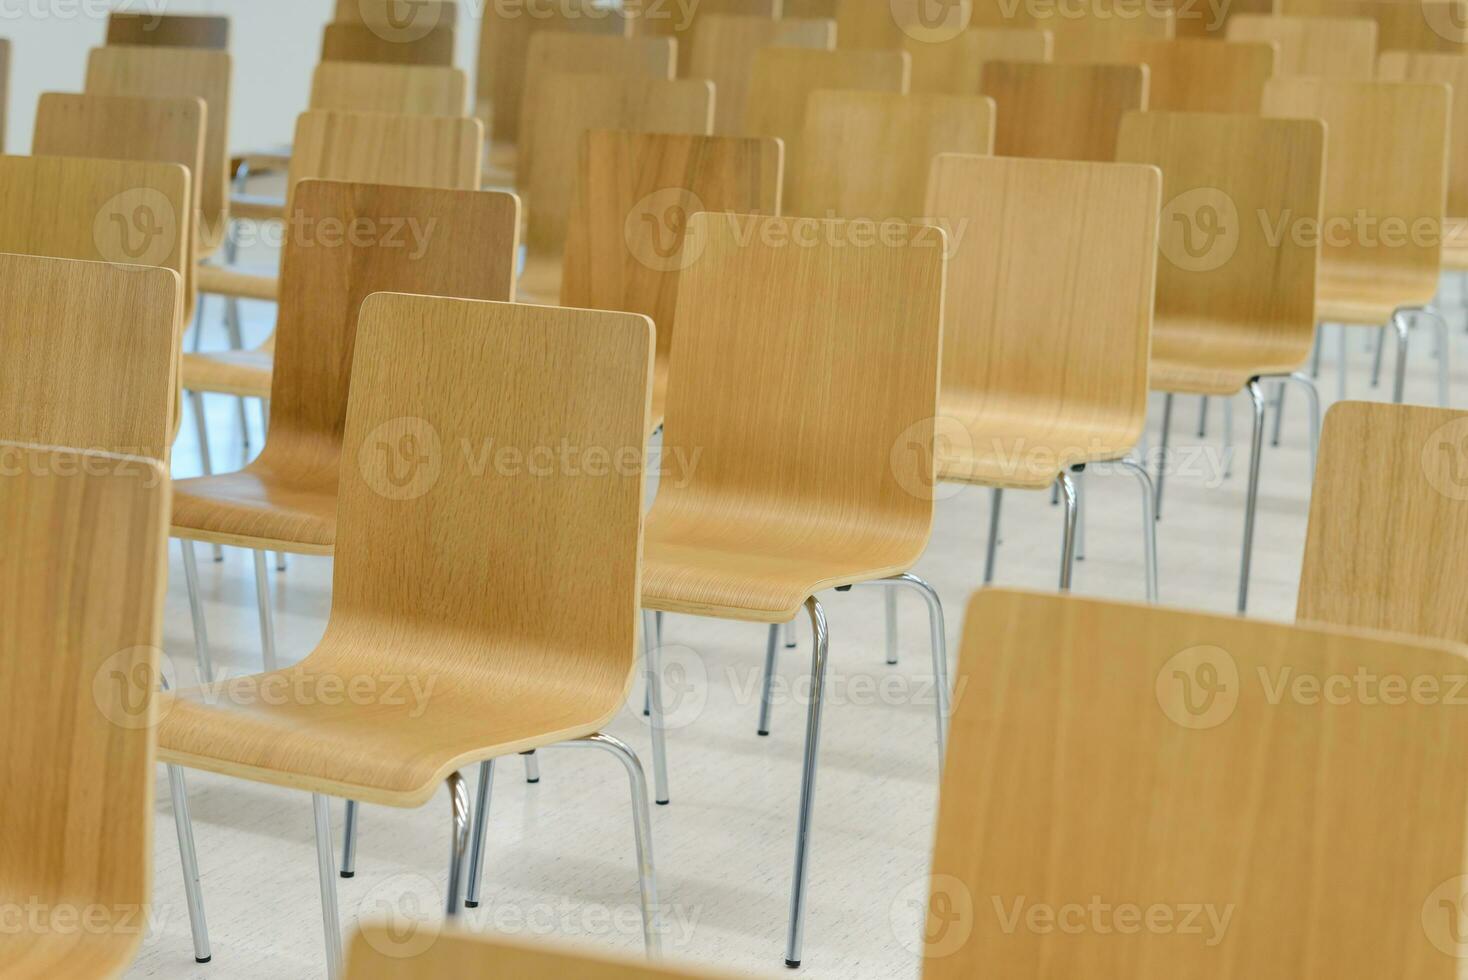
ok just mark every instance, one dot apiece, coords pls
pixel 168 30
pixel 504 48
pixel 456 953
pixel 1070 782
pixel 367 42
pixel 724 48
pixel 801 414
pixel 4 87
pixel 89 355
pixel 405 15
pixel 1230 308
pixel 407 90
pixel 824 9
pixel 955 66
pixel 1062 112
pixel 1389 506
pixel 1327 47
pixel 683 25
pixel 869 154
pixel 1098 39
pixel 285 500
pixel 120 127
pixel 635 193
pixel 83 583
pixel 1204 75
pixel 179 73
pixel 1401 25
pixel 1049 315
pixel 1445 69
pixel 510 593
pixel 1386 168
pixel 784 78
pixel 583 102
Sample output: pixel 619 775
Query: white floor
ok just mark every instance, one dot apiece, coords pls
pixel 560 859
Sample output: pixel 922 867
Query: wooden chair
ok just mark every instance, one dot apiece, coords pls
pixel 504 46
pixel 1450 70
pixel 4 87
pixel 954 66
pixel 1234 303
pixel 617 262
pixel 404 15
pixel 524 590
pixel 824 9
pixel 871 152
pixel 1039 383
pixel 458 953
pixel 683 26
pixel 1203 75
pixel 784 78
pixel 374 43
pixel 1139 755
pixel 405 90
pixel 1096 39
pixel 83 578
pixel 723 51
pixel 553 141
pixel 168 30
pixel 800 487
pixel 1385 175
pixel 1062 112
pixel 1415 25
pixel 1327 47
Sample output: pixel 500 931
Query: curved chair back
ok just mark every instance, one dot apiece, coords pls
pixel 387 45
pixel 1419 25
pixel 89 355
pixel 1325 47
pixel 378 148
pixel 583 102
pixel 870 153
pixel 407 90
pixel 83 576
pixel 944 65
pixel 1204 75
pixel 1214 789
pixel 168 30
pixel 1062 112
pixel 1444 69
pixel 723 51
pixel 1389 507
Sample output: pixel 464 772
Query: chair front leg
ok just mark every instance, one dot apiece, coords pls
pixel 795 938
pixel 458 844
pixel 1251 499
pixel 189 860
pixel 326 873
pixel 651 657
pixel 481 823
pixel 1068 539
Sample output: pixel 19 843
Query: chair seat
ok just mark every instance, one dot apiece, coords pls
pixel 220 281
pixel 392 742
pixel 95 951
pixel 238 372
pixel 1197 358
pixel 259 508
pixel 1361 300
pixel 1019 450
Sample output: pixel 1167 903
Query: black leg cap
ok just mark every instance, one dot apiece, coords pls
pixel 205 959
pixel 532 782
pixel 663 802
pixel 471 905
pixel 349 874
pixel 793 964
pixel 764 734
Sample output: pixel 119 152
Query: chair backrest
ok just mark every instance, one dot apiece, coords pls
pixel 83 576
pixel 125 127
pixel 584 102
pixel 165 73
pixel 634 195
pixel 783 79
pixel 421 240
pixel 1328 47
pixel 850 451
pixel 168 30
pixel 1447 69
pixel 1017 227
pixel 89 354
pixel 724 48
pixel 1204 75
pixel 1170 788
pixel 378 148
pixel 1098 38
pixel 870 153
pixel 504 46
pixel 405 16
pixel 4 86
pixel 456 953
pixel 683 25
pixel 409 90
pixel 945 65
pixel 1390 505
pixel 1402 25
pixel 539 560
pixel 1062 112
pixel 1386 168
pixel 374 43
pixel 1230 181
pixel 824 9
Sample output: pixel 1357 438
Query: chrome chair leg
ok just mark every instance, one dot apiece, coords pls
pixel 890 606
pixel 330 917
pixel 1315 352
pixel 1068 541
pixel 349 841
pixel 1149 524
pixel 532 767
pixel 652 929
pixel 790 642
pixel 937 641
pixel 206 461
pixel 1376 357
pixel 1162 452
pixel 188 859
pixel 280 563
pixel 1080 482
pixel 458 845
pixel 267 624
pixel 1251 500
pixel 1342 346
pixel 655 698
pixel 996 501
pixel 196 611
pixel 476 840
pixel 795 938
pixel 1444 349
pixel 1312 395
pixel 772 646
pixel 1403 328
pixel 199 324
pixel 1203 417
pixel 1279 402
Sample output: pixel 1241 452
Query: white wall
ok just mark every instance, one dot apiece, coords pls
pixel 275 44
